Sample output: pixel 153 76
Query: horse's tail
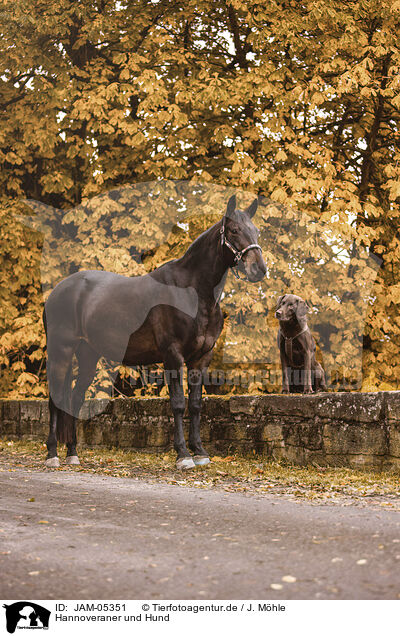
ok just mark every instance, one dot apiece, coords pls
pixel 65 428
pixel 44 320
pixel 65 425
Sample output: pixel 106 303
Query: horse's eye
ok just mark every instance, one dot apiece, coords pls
pixel 234 230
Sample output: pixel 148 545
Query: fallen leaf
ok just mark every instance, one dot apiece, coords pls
pixel 289 579
pixel 276 586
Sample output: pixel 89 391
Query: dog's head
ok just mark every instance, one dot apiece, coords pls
pixel 291 307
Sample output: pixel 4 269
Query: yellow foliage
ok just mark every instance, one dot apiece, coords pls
pixel 298 102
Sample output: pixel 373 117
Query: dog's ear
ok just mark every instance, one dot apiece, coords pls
pixel 302 309
pixel 279 301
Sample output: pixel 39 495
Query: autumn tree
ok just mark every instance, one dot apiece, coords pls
pixel 297 102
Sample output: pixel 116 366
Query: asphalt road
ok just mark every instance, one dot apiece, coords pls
pixel 99 537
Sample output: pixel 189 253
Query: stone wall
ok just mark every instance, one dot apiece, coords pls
pixel 335 429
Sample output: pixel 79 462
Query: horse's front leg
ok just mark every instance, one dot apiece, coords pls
pixel 174 371
pixel 195 384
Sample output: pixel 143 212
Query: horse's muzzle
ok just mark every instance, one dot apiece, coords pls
pixel 257 271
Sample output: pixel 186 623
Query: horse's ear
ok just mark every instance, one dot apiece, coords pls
pixel 231 207
pixel 251 210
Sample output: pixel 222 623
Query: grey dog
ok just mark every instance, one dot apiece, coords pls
pixel 300 369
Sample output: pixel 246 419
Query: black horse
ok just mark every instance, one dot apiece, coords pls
pixel 171 315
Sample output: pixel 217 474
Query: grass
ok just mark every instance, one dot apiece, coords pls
pixel 254 475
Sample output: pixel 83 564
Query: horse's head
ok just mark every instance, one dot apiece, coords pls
pixel 239 237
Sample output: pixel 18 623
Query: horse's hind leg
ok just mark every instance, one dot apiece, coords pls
pixel 52 460
pixel 87 363
pixel 72 457
pixel 59 378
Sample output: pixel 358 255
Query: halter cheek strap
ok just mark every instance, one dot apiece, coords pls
pixel 238 254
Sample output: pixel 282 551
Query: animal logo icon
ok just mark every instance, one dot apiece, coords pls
pixel 26 615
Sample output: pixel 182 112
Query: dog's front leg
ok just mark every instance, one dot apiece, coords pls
pixel 307 373
pixel 285 373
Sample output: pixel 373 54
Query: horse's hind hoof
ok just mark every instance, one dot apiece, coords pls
pixel 52 462
pixel 184 463
pixel 72 460
pixel 201 460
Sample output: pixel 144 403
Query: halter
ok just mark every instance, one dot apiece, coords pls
pixel 238 254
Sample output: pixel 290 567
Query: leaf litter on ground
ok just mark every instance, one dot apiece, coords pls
pixel 233 473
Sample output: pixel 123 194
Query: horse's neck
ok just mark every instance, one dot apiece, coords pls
pixel 219 288
pixel 205 265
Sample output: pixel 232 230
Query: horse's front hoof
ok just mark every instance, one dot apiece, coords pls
pixel 52 462
pixel 184 463
pixel 201 460
pixel 72 460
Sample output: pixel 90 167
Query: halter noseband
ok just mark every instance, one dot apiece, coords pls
pixel 238 254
